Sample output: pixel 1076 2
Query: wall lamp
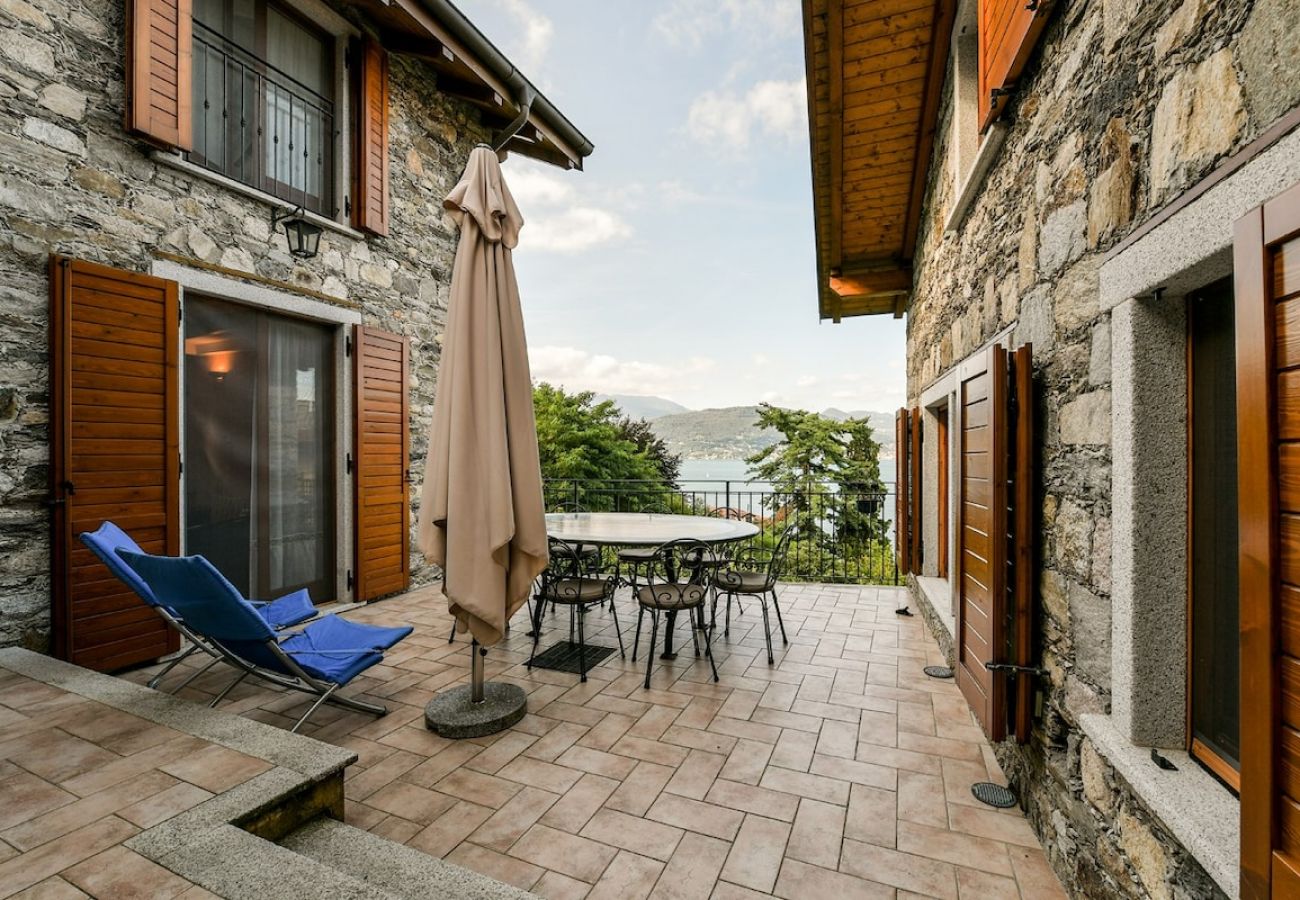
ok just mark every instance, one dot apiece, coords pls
pixel 303 236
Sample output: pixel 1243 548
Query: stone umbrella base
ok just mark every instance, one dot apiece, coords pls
pixel 476 709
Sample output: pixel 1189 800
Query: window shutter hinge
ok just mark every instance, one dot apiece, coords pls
pixel 349 463
pixel 180 312
pixel 349 579
pixel 180 464
pixel 998 92
pixel 347 345
pixel 347 205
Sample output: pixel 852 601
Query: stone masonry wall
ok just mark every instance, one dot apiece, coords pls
pixel 1125 104
pixel 73 181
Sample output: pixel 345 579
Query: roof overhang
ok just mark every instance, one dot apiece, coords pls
pixel 470 67
pixel 875 74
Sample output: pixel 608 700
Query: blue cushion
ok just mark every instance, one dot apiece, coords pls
pixel 104 542
pixel 290 609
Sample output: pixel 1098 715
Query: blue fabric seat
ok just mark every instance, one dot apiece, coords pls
pixel 326 655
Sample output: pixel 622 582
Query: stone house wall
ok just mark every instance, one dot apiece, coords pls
pixel 73 181
pixel 1125 105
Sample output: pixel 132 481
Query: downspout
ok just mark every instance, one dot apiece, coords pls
pixel 537 107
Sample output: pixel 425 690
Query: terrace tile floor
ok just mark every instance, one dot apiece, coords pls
pixel 841 771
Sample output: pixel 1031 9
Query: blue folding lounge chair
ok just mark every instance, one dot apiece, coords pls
pixel 320 659
pixel 289 610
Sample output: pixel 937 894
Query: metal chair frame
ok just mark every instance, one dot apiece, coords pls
pixel 677 557
pixel 755 561
pixel 567 565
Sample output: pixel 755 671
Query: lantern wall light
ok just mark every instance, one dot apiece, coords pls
pixel 303 236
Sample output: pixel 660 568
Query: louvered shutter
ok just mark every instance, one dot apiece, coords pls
pixel 115 453
pixel 915 457
pixel 380 364
pixel 1008 31
pixel 902 496
pixel 159 70
pixel 1018 611
pixel 1266 279
pixel 371 209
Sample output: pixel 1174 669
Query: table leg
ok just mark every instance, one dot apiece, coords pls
pixel 668 635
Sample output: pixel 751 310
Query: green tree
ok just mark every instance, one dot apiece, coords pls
pixel 586 450
pixel 650 445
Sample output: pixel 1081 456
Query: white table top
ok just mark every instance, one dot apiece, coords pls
pixel 644 529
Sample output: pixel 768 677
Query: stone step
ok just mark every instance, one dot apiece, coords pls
pixel 391 867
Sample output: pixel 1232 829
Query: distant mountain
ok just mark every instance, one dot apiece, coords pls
pixel 635 406
pixel 732 432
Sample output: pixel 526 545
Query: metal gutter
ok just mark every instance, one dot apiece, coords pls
pixel 487 53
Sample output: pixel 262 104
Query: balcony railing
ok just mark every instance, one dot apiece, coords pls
pixel 843 537
pixel 259 126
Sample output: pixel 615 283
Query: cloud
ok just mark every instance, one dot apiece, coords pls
pixel 536 30
pixel 726 119
pixel 579 370
pixel 806 381
pixel 688 24
pixel 558 217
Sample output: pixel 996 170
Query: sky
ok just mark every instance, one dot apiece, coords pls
pixel 680 263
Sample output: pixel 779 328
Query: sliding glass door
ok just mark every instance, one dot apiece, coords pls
pixel 260 457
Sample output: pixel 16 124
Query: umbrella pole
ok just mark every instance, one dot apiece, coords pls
pixel 476 671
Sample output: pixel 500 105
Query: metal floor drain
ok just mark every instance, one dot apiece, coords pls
pixel 938 671
pixel 563 657
pixel 993 794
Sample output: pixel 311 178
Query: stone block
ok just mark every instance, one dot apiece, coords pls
pixel 1176 29
pixel 1090 621
pixel 1146 854
pixel 1096 779
pixel 1198 118
pixel 1099 357
pixel 1269 48
pixel 1075 297
pixel 1036 324
pixel 1086 419
pixel 1063 237
pixel 55 136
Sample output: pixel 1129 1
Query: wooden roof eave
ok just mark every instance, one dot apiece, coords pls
pixel 888 291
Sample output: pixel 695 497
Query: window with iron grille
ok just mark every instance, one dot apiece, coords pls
pixel 264 104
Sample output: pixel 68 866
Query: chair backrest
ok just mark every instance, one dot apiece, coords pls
pixel 104 542
pixel 776 565
pixel 202 596
pixel 566 560
pixel 680 561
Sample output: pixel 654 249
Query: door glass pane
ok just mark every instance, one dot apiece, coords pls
pixel 1215 634
pixel 259 448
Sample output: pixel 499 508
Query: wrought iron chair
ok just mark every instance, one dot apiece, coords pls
pixel 683 587
pixel 635 560
pixel 755 572
pixel 568 581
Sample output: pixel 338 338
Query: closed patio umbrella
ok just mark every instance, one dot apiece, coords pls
pixel 481 513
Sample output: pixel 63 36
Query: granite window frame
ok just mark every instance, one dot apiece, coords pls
pixel 971 152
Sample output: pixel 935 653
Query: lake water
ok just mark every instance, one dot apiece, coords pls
pixel 702 476
pixel 736 470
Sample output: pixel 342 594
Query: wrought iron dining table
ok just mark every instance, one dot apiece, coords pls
pixel 629 529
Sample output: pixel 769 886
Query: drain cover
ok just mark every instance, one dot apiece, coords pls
pixel 993 794
pixel 937 671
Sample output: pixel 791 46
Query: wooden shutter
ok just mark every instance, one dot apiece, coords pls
pixel 115 453
pixel 1266 275
pixel 371 209
pixel 902 496
pixel 159 69
pixel 915 457
pixel 382 502
pixel 995 538
pixel 1008 31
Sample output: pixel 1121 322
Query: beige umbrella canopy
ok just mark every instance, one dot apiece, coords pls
pixel 481 515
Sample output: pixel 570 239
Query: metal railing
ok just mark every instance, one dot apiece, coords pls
pixel 260 126
pixel 843 537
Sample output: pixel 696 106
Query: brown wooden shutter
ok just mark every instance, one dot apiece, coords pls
pixel 1266 276
pixel 1008 30
pixel 902 496
pixel 381 361
pixel 159 69
pixel 995 538
pixel 915 457
pixel 371 209
pixel 115 451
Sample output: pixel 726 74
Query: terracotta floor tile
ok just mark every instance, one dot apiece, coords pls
pixel 817 833
pixel 521 874
pixel 580 802
pixel 794 750
pixel 695 776
pixel 976 885
pixel 1034 874
pixel 725 890
pixel 921 799
pixel 641 836
pixel 565 853
pixel 133 765
pixel 51 889
pixel 55 755
pixel 640 788
pixel 539 774
pixel 1009 829
pixel 58 822
pixel 751 799
pixel 699 714
pixel 598 762
pixel 24 797
pixel 216 768
pixel 435 768
pixel 649 751
pixel 754 731
pixel 899 759
pixel 119 874
pixel 502 752
pixel 508 823
pixel 955 847
pixel 410 802
pixel 799 880
pixel 554 886
pixel 397 829
pixel 27 869
pixel 558 739
pixel 654 722
pixel 747 761
pixel 755 857
pixel 872 816
pixel 629 877
pixel 697 816
pixel 803 784
pixel 902 870
pixel 485 790
pixel 449 829
pixel 693 870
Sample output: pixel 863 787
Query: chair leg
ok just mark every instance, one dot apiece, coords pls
pixel 694 638
pixel 228 688
pixel 618 632
pixel 154 682
pixel 636 641
pixel 452 639
pixel 726 630
pixel 708 647
pixel 767 631
pixel 537 631
pixel 777 606
pixel 650 657
pixel 319 700
pixel 580 613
